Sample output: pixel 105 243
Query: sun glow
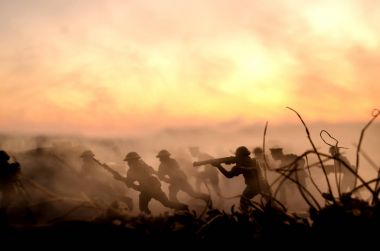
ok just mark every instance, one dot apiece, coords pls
pixel 108 66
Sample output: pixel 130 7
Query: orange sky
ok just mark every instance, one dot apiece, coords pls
pixel 137 66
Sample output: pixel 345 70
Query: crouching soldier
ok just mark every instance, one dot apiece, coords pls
pixel 148 185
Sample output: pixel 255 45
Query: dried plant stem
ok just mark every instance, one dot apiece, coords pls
pixel 315 149
pixel 375 114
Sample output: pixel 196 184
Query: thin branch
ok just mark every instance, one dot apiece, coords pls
pixel 265 133
pixel 375 114
pixel 321 135
pixel 367 183
pixel 337 180
pixel 368 159
pixel 265 159
pixel 310 175
pixel 315 149
pixel 300 186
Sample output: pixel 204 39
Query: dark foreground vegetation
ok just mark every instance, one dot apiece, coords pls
pixel 346 221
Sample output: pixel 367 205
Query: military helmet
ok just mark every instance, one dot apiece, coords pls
pixel 132 155
pixel 4 156
pixel 163 153
pixel 242 151
pixel 87 153
pixel 276 150
pixel 257 150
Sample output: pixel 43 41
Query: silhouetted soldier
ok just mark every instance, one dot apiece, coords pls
pixel 348 178
pixel 259 157
pixel 170 172
pixel 9 182
pixel 251 173
pixel 209 175
pixel 262 162
pixel 98 180
pixel 285 161
pixel 148 185
pixel 90 168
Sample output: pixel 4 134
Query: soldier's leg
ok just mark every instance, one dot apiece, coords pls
pixel 161 197
pixel 186 187
pixel 248 193
pixel 265 191
pixel 144 199
pixel 173 190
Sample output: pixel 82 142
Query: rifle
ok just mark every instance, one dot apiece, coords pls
pixel 117 175
pixel 217 161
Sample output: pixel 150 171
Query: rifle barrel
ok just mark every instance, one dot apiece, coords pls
pixel 225 160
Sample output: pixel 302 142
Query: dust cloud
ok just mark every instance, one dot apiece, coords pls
pixel 51 164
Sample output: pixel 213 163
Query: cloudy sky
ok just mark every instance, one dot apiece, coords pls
pixel 134 66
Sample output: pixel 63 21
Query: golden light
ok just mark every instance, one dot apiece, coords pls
pixel 115 65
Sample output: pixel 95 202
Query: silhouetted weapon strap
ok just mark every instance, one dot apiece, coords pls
pixel 117 175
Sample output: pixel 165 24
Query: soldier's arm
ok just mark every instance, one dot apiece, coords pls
pixel 149 169
pixel 175 164
pixel 229 174
pixel 162 175
pixel 131 184
pixel 130 180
